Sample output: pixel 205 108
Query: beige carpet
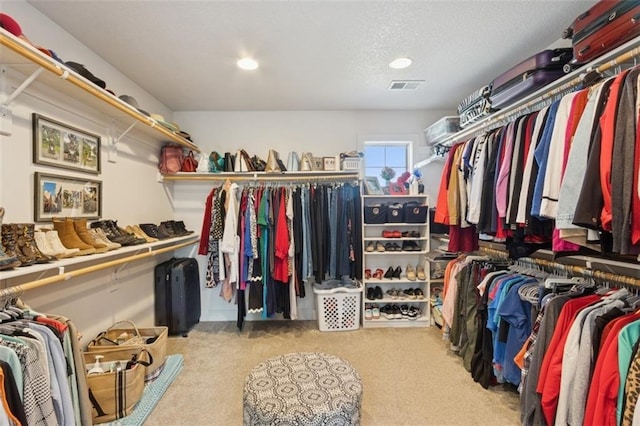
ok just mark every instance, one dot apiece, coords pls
pixel 409 377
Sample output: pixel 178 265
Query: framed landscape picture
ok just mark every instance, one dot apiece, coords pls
pixel 61 145
pixel 60 196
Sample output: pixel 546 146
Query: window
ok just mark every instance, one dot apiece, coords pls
pixel 380 154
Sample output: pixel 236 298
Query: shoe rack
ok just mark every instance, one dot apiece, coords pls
pixel 387 247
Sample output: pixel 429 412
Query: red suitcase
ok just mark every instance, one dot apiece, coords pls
pixel 605 26
pixel 528 76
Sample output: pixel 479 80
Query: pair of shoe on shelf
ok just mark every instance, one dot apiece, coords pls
pixel 394 311
pixel 166 229
pixel 371 311
pixel 407 293
pixel 416 273
pixel 397 234
pixel 380 248
pixel 379 273
pixel 116 234
pixel 374 293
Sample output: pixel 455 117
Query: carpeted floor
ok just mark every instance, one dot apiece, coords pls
pixel 409 376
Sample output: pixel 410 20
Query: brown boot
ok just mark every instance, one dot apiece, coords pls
pixel 7 261
pixel 80 226
pixel 69 238
pixel 10 243
pixel 27 243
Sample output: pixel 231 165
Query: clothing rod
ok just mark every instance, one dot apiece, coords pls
pixel 547 93
pixel 19 289
pixel 586 272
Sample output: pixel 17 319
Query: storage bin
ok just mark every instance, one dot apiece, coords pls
pixel 442 128
pixel 338 308
pixel 395 213
pixel 376 214
pixel 415 213
pixel 351 163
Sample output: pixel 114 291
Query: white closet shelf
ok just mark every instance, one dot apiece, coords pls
pixel 261 176
pixel 27 60
pixel 625 53
pixel 38 275
pixel 406 323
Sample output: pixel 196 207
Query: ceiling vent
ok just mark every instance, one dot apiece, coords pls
pixel 405 84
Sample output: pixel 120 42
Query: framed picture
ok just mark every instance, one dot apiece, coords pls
pixel 61 196
pixel 372 186
pixel 317 164
pixel 329 163
pixel 60 145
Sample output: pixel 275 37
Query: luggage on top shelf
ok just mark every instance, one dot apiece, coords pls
pixel 605 26
pixel 529 76
pixel 442 128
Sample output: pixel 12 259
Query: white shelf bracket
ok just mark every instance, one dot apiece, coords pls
pixel 112 148
pixel 6 115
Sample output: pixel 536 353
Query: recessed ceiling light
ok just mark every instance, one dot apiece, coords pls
pixel 247 64
pixel 400 63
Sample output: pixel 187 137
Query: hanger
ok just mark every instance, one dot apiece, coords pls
pixel 554 283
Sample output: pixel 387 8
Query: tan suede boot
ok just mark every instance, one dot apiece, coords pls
pixel 27 240
pixel 69 237
pixel 80 226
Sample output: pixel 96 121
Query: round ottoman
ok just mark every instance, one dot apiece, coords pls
pixel 306 388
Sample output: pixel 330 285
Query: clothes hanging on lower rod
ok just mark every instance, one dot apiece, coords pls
pixel 279 238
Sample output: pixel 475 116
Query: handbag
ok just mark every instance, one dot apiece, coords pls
pixel 171 157
pixel 115 392
pixel 153 339
pixel 203 163
pixel 293 162
pixel 189 164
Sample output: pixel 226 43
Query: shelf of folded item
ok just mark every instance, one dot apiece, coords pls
pixel 262 176
pixel 422 321
pixel 64 269
pixel 26 59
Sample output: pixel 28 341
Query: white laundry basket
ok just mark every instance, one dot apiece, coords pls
pixel 338 308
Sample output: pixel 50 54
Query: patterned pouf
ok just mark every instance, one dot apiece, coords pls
pixel 306 388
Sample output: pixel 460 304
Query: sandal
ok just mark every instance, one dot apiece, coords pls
pixel 378 274
pixel 367 274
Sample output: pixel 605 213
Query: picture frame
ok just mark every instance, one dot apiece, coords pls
pixel 329 163
pixel 63 196
pixel 60 145
pixel 317 164
pixel 372 186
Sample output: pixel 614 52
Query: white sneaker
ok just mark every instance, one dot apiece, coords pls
pixel 99 235
pixel 57 246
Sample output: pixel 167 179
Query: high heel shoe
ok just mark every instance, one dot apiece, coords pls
pixel 397 272
pixel 389 274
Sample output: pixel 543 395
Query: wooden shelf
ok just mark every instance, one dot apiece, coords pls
pixel 29 277
pixel 262 176
pixel 27 61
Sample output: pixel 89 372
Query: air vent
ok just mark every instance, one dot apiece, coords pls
pixel 405 84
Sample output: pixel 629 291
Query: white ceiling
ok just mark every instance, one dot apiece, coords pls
pixel 314 55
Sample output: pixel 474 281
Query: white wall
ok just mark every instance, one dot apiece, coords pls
pixel 131 193
pixel 324 133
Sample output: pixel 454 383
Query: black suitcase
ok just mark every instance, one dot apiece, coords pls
pixel 177 294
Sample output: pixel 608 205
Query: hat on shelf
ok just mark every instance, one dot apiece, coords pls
pixel 160 119
pixel 10 24
pixel 133 102
pixel 83 71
